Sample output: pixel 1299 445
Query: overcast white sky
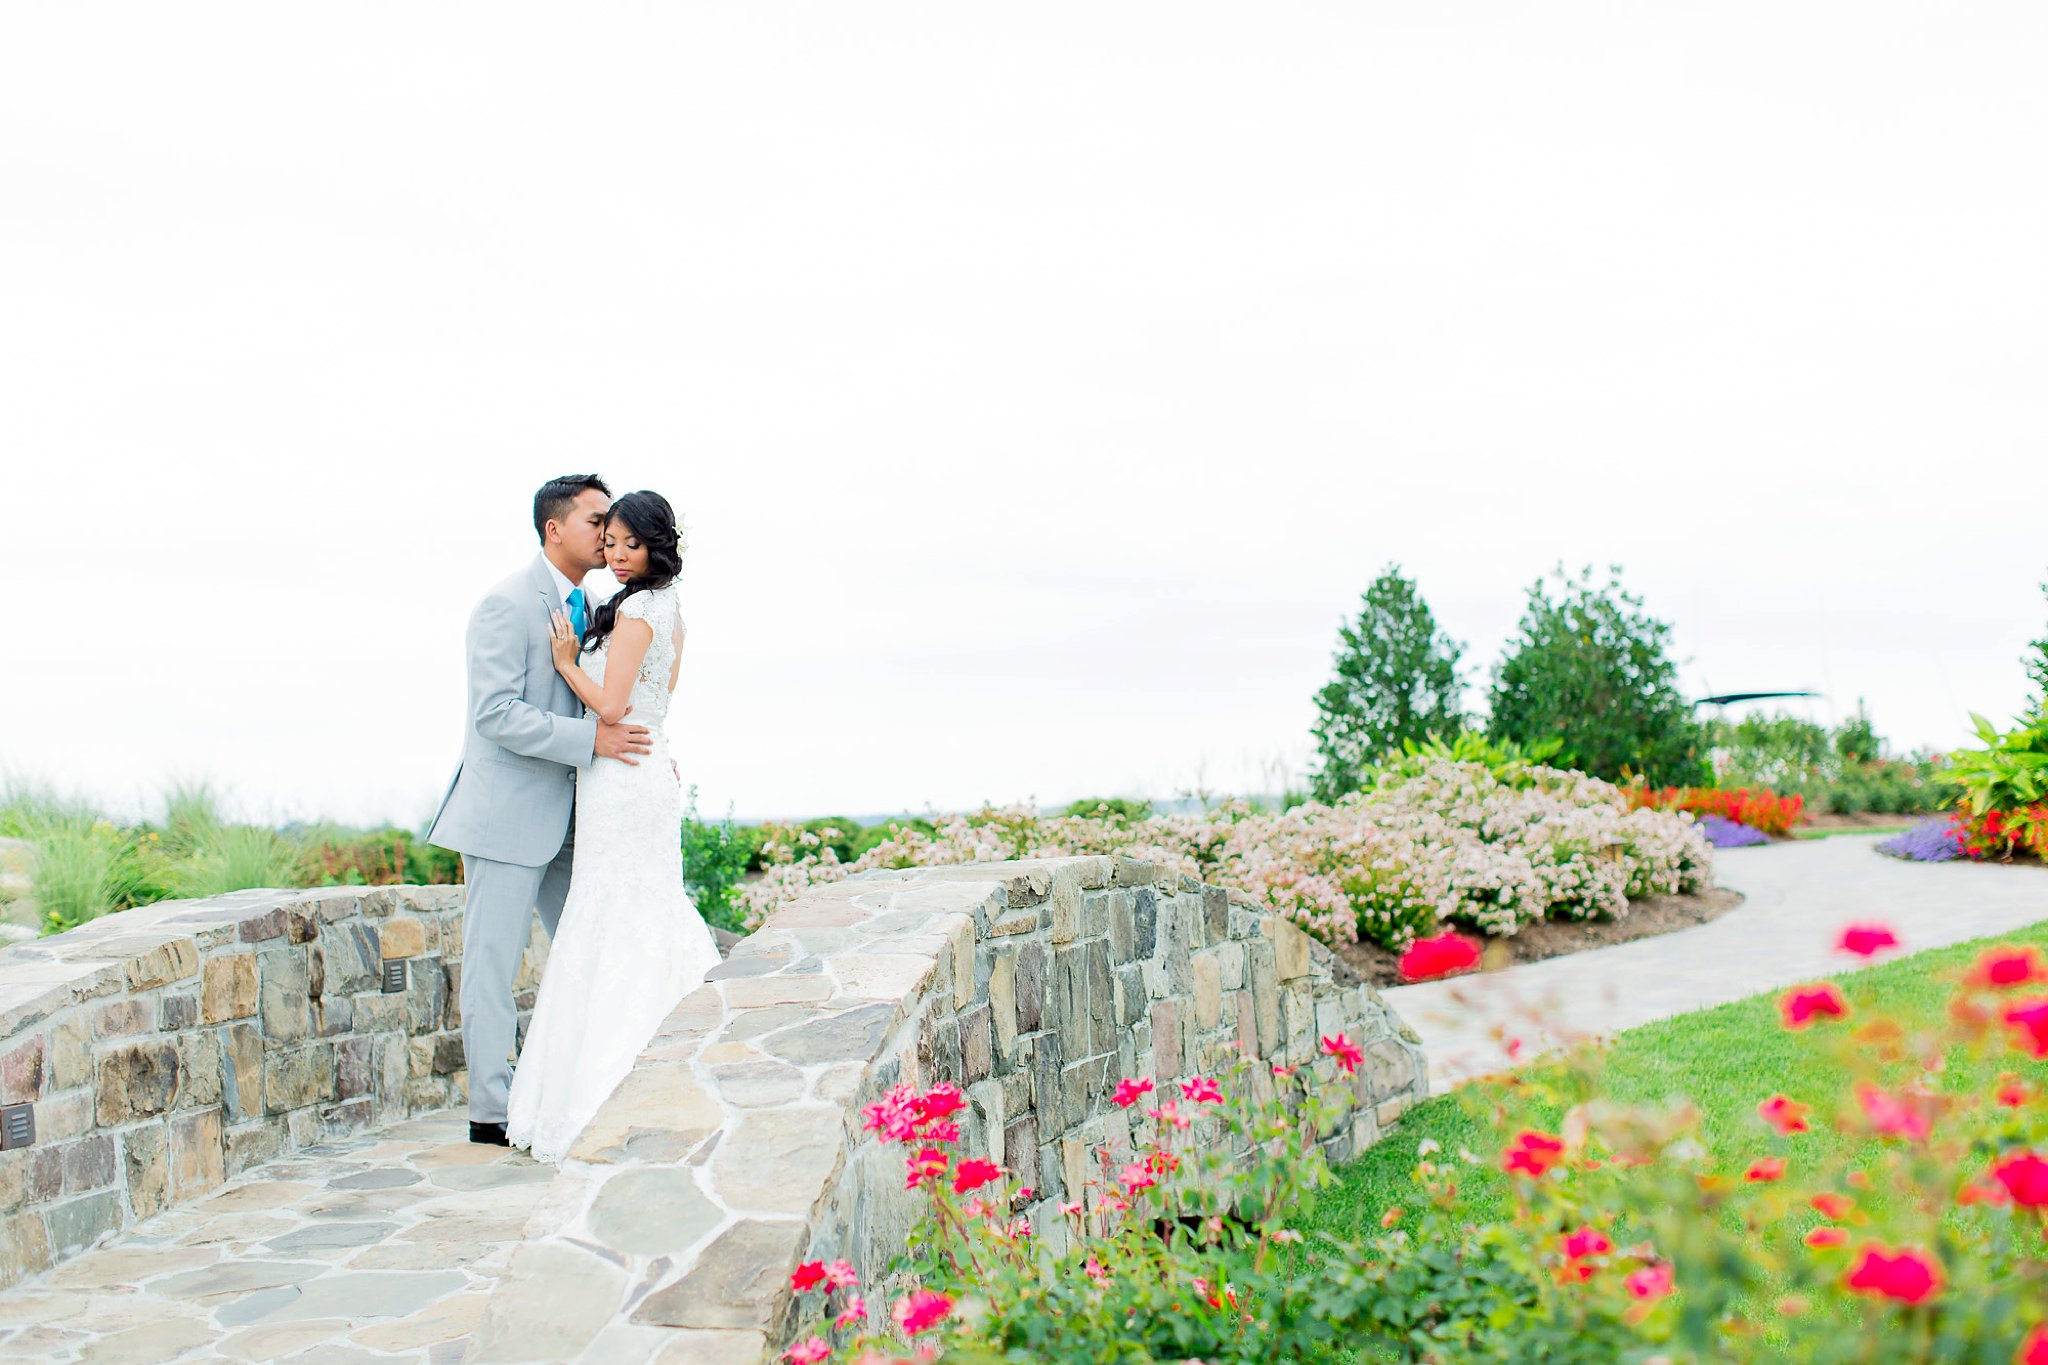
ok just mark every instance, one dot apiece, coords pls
pixel 1040 384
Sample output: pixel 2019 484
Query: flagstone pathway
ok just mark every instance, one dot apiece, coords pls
pixel 375 1248
pixel 1799 895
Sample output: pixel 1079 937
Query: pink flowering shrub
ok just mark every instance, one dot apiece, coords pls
pixel 1451 844
pixel 1899 1215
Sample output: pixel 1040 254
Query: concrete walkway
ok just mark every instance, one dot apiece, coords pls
pixel 380 1247
pixel 1799 895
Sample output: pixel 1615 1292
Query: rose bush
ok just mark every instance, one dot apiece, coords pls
pixel 1901 1215
pixel 1445 844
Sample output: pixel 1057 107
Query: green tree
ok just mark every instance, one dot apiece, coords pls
pixel 1397 679
pixel 1592 668
pixel 2037 666
pixel 1857 740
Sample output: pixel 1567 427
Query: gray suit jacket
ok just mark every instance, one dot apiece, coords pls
pixel 512 798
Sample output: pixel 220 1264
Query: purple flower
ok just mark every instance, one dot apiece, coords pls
pixel 1930 841
pixel 1722 832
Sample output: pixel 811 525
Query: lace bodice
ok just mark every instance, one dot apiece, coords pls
pixel 650 695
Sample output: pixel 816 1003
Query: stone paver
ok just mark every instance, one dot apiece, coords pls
pixel 1799 895
pixel 378 1247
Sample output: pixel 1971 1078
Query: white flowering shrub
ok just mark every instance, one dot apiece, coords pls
pixel 1451 844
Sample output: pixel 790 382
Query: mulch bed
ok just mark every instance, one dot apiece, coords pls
pixel 1554 938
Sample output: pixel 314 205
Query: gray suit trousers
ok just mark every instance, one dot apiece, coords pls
pixel 497 921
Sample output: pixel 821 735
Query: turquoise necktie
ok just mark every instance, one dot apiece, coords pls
pixel 578 617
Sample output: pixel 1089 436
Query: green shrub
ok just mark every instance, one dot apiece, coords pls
pixel 1506 760
pixel 1856 740
pixel 335 856
pixel 887 830
pixel 1590 667
pixel 715 858
pixel 1109 808
pixel 835 832
pixel 1397 680
pixel 1778 751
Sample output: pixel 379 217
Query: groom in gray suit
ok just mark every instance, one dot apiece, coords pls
pixel 510 810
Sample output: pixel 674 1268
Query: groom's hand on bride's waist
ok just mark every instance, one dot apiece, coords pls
pixel 617 739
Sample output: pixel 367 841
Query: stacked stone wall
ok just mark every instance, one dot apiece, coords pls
pixel 734 1148
pixel 167 1048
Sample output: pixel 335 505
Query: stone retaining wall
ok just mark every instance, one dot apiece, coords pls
pixel 168 1047
pixel 734 1148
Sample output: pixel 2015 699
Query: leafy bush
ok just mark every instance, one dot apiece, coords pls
pixel 1110 808
pixel 876 835
pixel 2005 784
pixel 1765 811
pixel 1397 681
pixel 1776 750
pixel 333 856
pixel 1843 772
pixel 1504 760
pixel 715 857
pixel 1856 740
pixel 1591 668
pixel 1910 1234
pixel 1447 843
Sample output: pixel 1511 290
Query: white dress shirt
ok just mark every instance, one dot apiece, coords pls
pixel 563 587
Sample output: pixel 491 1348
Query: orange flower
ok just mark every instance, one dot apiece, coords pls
pixel 1532 1153
pixel 1832 1205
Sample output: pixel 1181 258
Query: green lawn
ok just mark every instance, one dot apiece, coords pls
pixel 1899 828
pixel 1725 1060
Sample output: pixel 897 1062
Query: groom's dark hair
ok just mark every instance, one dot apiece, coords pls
pixel 556 496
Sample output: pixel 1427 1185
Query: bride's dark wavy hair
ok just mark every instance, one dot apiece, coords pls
pixel 651 521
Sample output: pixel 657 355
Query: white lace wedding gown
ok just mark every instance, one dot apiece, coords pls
pixel 630 942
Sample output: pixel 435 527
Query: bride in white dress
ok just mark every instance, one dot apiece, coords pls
pixel 630 943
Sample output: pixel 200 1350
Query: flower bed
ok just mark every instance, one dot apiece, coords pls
pixel 1451 844
pixel 1896 1214
pixel 1759 808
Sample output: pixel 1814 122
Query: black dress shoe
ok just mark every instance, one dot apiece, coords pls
pixel 492 1134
